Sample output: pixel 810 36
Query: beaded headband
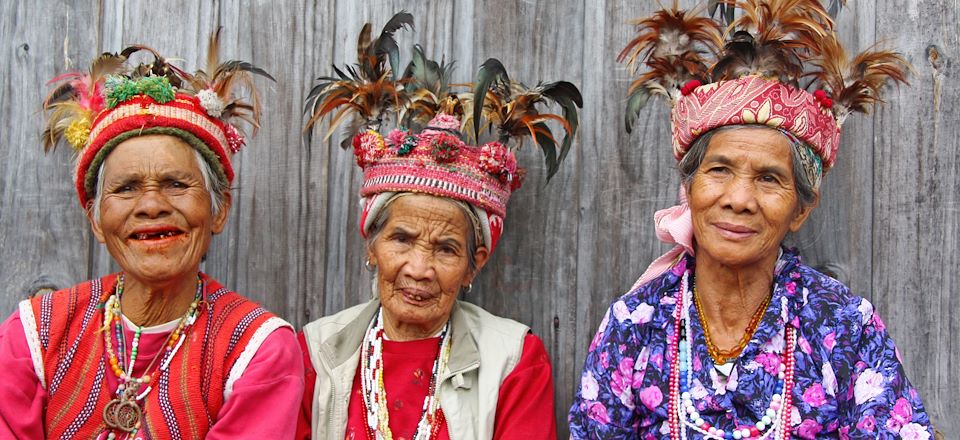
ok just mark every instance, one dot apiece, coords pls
pixel 96 111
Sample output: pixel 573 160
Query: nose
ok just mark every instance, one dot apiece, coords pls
pixel 152 203
pixel 741 196
pixel 419 265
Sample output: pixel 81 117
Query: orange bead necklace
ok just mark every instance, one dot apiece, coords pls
pixel 719 355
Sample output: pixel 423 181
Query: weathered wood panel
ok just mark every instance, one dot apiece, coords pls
pixel 887 223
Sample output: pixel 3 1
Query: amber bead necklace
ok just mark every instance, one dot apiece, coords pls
pixel 720 356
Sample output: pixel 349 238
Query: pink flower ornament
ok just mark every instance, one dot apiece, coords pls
pixel 368 147
pixel 498 161
pixel 445 147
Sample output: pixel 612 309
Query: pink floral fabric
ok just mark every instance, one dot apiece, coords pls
pixel 850 383
pixel 755 100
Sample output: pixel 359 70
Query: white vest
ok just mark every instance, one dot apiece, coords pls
pixel 485 349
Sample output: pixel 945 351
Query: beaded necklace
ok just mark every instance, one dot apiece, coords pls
pixel 682 412
pixel 376 414
pixel 123 413
pixel 719 356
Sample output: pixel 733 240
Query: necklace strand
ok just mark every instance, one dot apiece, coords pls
pixel 718 355
pixel 376 413
pixel 123 413
pixel 682 412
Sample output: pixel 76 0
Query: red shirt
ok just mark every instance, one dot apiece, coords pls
pixel 525 407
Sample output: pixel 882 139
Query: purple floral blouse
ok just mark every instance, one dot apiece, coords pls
pixel 849 382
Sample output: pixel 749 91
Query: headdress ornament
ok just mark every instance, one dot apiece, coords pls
pixel 777 63
pixel 427 151
pixel 97 110
pixel 780 65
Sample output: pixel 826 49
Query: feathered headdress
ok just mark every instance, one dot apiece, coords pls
pixel 366 91
pixel 781 65
pixel 427 152
pixel 512 109
pixel 114 100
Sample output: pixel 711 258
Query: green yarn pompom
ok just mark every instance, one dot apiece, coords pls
pixel 157 87
pixel 122 91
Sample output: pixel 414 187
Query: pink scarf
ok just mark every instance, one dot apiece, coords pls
pixel 675 226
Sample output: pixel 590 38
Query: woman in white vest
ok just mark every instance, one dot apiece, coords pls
pixel 415 362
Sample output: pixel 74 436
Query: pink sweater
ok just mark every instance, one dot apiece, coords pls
pixel 264 403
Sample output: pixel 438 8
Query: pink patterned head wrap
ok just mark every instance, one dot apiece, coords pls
pixel 755 100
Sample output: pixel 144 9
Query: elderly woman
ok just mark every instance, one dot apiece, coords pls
pixel 160 349
pixel 415 362
pixel 730 336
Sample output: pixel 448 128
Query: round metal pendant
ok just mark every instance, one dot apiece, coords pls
pixel 122 414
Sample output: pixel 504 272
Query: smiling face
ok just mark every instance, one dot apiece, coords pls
pixel 422 260
pixel 743 198
pixel 155 211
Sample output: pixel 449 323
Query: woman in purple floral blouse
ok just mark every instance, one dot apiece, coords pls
pixel 729 335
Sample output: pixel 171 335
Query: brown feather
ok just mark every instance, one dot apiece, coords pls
pixel 675 45
pixel 855 85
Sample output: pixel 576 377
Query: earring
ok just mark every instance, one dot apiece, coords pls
pixel 468 288
pixel 369 267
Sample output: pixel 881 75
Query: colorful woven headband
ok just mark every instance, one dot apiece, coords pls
pixel 753 100
pixel 96 111
pixel 438 163
pixel 183 117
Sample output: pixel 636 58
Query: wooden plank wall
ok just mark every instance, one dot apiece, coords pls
pixel 888 222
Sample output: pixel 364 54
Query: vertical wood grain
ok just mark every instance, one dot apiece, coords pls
pixel 888 223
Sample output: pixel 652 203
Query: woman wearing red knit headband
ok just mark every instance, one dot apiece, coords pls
pixel 729 335
pixel 160 349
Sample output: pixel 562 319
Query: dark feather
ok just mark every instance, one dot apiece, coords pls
pixel 387 45
pixel 635 102
pixel 568 97
pixel 491 72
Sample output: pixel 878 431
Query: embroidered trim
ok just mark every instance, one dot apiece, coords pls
pixel 29 322
pixel 250 350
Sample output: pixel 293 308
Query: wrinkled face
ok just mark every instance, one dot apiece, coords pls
pixel 155 212
pixel 422 261
pixel 743 198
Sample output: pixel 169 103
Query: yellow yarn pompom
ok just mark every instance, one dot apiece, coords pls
pixel 78 132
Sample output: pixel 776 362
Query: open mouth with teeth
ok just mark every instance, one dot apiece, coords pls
pixel 155 235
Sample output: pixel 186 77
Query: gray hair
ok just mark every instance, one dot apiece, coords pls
pixel 376 228
pixel 690 163
pixel 215 187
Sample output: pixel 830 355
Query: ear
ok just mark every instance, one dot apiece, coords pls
pixel 371 256
pixel 804 212
pixel 480 258
pixel 94 226
pixel 220 221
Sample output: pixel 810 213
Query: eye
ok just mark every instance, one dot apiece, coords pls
pixel 717 170
pixel 400 238
pixel 769 178
pixel 124 188
pixel 448 250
